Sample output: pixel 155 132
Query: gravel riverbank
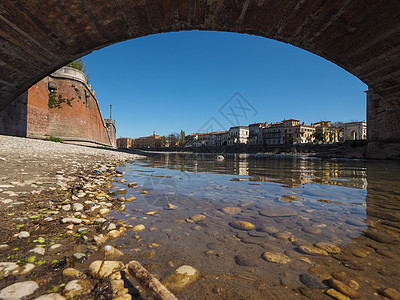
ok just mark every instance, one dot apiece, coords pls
pixel 54 203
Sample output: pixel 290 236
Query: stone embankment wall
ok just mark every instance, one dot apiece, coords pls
pixel 383 130
pixel 13 119
pixel 79 122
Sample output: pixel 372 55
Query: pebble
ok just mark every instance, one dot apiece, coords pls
pixel 311 281
pixel 121 191
pixel 139 228
pixel 23 234
pixel 104 211
pixel 77 207
pixel 288 198
pixel 197 218
pixel 38 250
pixel 55 247
pixel 283 235
pixel 71 220
pixel 100 220
pixel 278 258
pixel 132 185
pixel 343 288
pixel 4 247
pixel 66 207
pixel 78 287
pixel 82 230
pixel 103 269
pixel 313 250
pixel 79 257
pixel 259 234
pixel 170 206
pixel 242 225
pixel 268 229
pixel 114 234
pixel 6 268
pixel 380 237
pixel 71 272
pixel 391 293
pixel 311 229
pixel 181 278
pixel 244 260
pixel 106 227
pixel 130 199
pixel 19 290
pixel 231 210
pixel 112 253
pixel 52 296
pixel 26 269
pixel 337 295
pixel 100 239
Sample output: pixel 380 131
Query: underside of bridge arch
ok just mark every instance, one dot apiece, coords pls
pixel 362 36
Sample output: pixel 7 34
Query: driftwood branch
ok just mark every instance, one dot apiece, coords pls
pixel 149 282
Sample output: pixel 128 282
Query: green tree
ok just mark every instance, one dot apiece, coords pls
pixel 182 140
pixel 319 136
pixel 80 65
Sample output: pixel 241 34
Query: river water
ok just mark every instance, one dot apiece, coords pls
pixel 313 219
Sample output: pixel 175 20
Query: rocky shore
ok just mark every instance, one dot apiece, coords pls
pixel 54 206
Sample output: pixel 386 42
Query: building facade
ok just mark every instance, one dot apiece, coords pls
pixel 355 131
pixel 273 134
pixel 152 141
pixel 238 135
pixel 326 132
pixel 125 143
pixel 256 133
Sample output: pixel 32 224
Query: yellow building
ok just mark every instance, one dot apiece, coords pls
pixel 326 132
pixel 152 141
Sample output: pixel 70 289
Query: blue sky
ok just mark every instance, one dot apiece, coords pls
pixel 173 81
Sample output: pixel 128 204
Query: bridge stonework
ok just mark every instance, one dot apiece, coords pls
pixel 361 36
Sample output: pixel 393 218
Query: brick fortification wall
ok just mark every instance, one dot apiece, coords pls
pixel 82 121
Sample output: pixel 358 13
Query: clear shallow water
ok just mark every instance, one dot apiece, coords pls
pixel 292 202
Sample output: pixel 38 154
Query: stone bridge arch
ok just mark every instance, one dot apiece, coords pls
pixel 361 36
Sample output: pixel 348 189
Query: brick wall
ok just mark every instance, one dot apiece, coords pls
pixel 82 121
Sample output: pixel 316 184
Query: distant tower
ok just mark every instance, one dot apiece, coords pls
pixel 110 111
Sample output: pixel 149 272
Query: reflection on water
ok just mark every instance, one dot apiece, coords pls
pixel 302 210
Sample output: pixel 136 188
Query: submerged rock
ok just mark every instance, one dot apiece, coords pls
pixel 343 288
pixel 121 191
pixel 328 247
pixel 313 250
pixel 278 258
pixel 231 210
pixel 277 211
pixel 181 278
pixel 242 225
